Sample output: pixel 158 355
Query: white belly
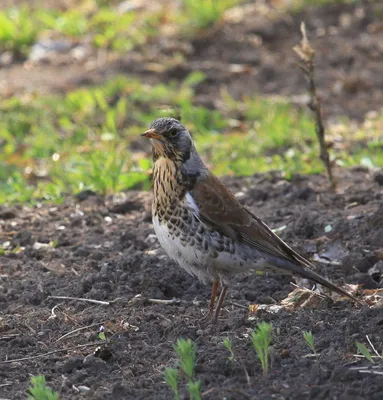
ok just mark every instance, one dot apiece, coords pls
pixel 189 258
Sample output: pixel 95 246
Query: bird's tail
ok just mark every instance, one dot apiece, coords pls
pixel 303 269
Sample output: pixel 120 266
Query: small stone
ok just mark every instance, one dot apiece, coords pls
pixel 83 388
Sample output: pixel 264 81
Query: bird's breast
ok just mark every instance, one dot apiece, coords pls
pixel 167 187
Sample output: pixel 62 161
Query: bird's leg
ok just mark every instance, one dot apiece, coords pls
pixel 213 296
pixel 220 303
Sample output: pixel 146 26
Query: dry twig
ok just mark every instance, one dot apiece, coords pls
pixel 78 330
pixel 373 348
pixel 106 303
pixel 306 54
pixel 369 370
pixel 51 352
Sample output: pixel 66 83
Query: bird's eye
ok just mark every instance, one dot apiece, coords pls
pixel 172 133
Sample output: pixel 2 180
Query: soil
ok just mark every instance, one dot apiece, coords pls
pixel 104 249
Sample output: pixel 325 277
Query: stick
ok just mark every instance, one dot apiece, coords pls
pixel 306 54
pixel 372 346
pixel 361 356
pixel 237 305
pixel 50 352
pixel 53 314
pixel 105 303
pixel 141 299
pixel 371 372
pixel 9 336
pixel 165 302
pixel 108 303
pixel 78 330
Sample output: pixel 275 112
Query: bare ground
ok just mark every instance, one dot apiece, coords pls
pixel 104 249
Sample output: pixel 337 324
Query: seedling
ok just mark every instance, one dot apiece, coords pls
pixel 261 339
pixel 40 391
pixel 172 378
pixel 364 351
pixel 186 352
pixel 227 343
pixel 194 390
pixel 101 333
pixel 310 341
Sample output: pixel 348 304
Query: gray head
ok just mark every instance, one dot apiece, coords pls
pixel 170 139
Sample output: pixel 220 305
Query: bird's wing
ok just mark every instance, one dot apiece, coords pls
pixel 221 210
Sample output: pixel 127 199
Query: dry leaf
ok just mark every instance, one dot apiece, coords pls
pixel 302 298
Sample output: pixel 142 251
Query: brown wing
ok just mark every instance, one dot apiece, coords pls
pixel 220 209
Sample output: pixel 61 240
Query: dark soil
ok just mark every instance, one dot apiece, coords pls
pixel 105 249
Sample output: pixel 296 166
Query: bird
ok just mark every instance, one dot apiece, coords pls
pixel 204 228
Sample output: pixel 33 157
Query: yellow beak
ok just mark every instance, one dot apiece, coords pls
pixel 151 134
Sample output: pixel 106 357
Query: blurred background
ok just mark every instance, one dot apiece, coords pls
pixel 81 79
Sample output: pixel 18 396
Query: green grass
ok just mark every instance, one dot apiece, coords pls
pixel 18 32
pixel 103 25
pixel 57 144
pixel 106 26
pixel 100 23
pixel 201 14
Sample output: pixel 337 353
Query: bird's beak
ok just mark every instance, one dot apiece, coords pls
pixel 151 134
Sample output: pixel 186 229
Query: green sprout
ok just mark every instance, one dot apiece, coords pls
pixel 364 351
pixel 227 343
pixel 310 341
pixel 186 352
pixel 171 378
pixel 261 339
pixel 194 390
pixel 38 389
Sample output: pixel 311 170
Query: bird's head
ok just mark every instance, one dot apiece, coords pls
pixel 170 139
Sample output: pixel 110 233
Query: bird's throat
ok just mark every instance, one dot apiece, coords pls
pixel 168 185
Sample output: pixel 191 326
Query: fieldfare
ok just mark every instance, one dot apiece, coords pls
pixel 203 227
